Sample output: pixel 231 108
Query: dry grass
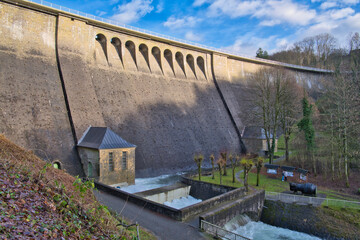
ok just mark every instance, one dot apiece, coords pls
pixel 45 178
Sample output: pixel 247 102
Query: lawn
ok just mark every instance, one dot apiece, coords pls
pixel 271 185
pixel 268 184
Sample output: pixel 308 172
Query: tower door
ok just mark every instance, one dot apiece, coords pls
pixel 90 169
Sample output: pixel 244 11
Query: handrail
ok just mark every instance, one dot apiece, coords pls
pixel 311 200
pixel 219 231
pixel 182 41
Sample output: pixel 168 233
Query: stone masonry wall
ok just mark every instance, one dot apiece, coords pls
pixel 119 175
pixel 160 95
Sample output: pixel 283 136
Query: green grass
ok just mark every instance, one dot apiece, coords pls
pixel 275 185
pixel 226 180
pixel 268 184
pixel 279 153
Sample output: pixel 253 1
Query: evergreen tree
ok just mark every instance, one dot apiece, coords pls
pixel 307 127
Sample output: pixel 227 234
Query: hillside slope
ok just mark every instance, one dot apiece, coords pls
pixel 38 201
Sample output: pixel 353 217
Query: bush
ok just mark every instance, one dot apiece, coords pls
pixel 359 191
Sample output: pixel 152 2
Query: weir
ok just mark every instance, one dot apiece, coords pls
pixel 62 72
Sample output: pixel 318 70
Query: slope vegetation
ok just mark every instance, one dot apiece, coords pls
pixel 38 201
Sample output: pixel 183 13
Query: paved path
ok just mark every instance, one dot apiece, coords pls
pixel 163 227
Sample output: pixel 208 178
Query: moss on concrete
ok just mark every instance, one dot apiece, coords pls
pixel 329 223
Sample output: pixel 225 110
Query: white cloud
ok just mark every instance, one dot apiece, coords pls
pixel 350 2
pixel 193 37
pixel 341 13
pixel 339 28
pixel 285 11
pixel 248 45
pixel 100 13
pixel 160 7
pixel 198 3
pixel 187 21
pixel 132 11
pixel 269 23
pixel 270 13
pixel 233 8
pixel 341 2
pixel 326 5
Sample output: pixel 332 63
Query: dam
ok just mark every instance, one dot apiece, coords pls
pixel 61 72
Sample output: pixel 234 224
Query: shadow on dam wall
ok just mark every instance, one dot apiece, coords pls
pixel 168 120
pixel 60 74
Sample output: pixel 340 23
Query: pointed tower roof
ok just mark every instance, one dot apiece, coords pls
pixel 102 138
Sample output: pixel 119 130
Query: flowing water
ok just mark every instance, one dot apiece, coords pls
pixel 262 231
pixel 144 184
pixel 182 202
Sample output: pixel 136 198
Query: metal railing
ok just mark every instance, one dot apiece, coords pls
pixel 316 201
pixel 219 232
pixel 119 24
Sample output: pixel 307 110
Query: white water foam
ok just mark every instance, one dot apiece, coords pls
pixel 144 184
pixel 262 231
pixel 182 202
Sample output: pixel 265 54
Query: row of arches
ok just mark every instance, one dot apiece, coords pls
pixel 152 60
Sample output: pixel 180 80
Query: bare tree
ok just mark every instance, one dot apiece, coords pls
pixel 290 108
pixel 269 90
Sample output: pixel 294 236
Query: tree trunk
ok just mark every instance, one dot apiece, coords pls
pixel 258 178
pixel 346 149
pixel 225 172
pixel 314 162
pixel 233 174
pixel 199 173
pixel 286 138
pixel 332 150
pixel 246 182
pixel 213 172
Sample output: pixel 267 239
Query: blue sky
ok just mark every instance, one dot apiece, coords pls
pixel 238 25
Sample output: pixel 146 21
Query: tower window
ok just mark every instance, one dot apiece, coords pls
pixel 124 159
pixel 111 162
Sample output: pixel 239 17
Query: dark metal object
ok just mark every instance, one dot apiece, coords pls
pixel 305 188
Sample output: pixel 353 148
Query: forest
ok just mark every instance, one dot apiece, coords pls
pixel 320 133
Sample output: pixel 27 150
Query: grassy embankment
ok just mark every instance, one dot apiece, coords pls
pixel 38 201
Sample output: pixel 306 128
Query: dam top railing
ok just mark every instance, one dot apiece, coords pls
pixel 182 41
pixel 220 232
pixel 315 201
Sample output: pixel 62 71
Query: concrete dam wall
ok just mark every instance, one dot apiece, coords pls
pixel 61 73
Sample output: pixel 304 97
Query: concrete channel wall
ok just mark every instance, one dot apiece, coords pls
pixel 167 193
pixel 178 214
pixel 252 204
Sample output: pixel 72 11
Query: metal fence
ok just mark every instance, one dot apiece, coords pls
pixel 219 232
pixel 316 201
pixel 118 24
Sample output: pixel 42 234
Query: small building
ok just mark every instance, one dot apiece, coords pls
pixel 107 157
pixel 254 139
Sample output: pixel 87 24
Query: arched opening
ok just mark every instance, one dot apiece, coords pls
pixel 201 64
pixel 90 169
pixel 130 46
pixel 155 51
pixel 145 53
pixel 169 60
pixel 101 39
pixel 117 45
pixel 57 165
pixel 180 60
pixel 191 63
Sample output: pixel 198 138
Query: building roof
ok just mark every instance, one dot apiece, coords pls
pixel 271 166
pixel 302 171
pixel 102 138
pixel 257 132
pixel 288 168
